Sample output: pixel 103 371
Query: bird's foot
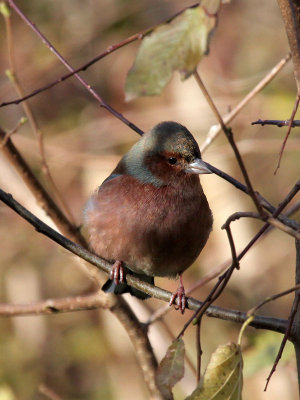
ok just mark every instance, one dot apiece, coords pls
pixel 179 295
pixel 117 273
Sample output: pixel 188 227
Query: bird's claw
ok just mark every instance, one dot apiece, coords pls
pixel 117 273
pixel 179 295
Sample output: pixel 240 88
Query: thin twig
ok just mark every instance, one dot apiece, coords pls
pixel 56 306
pixel 267 228
pixel 279 123
pixel 12 74
pixel 285 338
pixel 243 188
pixel 199 350
pixel 276 296
pixel 213 295
pixel 284 228
pixel 229 135
pixel 101 102
pixel 216 129
pixel 288 131
pixel 9 134
pixel 49 393
pixel 43 199
pixel 84 67
pixel 275 214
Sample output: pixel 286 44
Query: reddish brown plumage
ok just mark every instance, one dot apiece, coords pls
pixel 155 231
pixel 151 212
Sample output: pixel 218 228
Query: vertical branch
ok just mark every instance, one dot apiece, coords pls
pixel 290 11
pixel 296 324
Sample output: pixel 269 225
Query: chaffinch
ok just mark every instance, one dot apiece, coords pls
pixel 150 217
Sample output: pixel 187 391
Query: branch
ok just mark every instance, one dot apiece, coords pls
pixel 265 204
pixel 279 123
pixel 285 337
pixel 288 131
pixel 260 322
pixel 216 129
pixel 13 77
pixel 229 135
pixel 48 393
pixel 295 334
pixel 109 50
pixel 284 228
pixel 101 102
pixel 162 311
pixel 290 12
pixel 56 306
pixel 43 199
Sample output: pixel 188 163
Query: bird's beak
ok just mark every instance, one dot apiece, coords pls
pixel 198 166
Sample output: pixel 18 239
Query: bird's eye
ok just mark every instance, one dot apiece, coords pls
pixel 172 160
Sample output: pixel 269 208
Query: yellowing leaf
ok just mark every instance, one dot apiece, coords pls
pixel 175 45
pixel 223 377
pixel 171 368
pixel 4 9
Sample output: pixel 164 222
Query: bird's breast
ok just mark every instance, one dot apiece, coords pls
pixel 154 230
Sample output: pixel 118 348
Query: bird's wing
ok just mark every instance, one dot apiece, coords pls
pixel 110 177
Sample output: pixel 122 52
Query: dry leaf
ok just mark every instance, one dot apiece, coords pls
pixel 175 45
pixel 223 378
pixel 171 368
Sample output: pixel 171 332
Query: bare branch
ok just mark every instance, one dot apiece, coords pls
pixel 284 228
pixel 215 130
pixel 279 123
pixel 276 296
pixel 12 73
pixel 109 50
pixel 101 102
pixel 259 322
pixel 288 131
pixel 56 306
pixel 229 135
pixel 49 393
pixel 44 200
pixel 290 12
pixel 285 337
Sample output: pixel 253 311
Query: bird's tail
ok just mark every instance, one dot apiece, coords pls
pixel 111 287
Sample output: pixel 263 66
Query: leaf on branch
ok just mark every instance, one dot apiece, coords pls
pixel 177 45
pixel 171 368
pixel 223 378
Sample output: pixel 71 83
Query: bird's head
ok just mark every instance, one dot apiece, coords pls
pixel 164 154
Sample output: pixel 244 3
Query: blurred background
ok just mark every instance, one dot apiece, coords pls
pixel 87 355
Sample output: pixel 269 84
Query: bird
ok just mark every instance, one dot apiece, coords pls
pixel 150 216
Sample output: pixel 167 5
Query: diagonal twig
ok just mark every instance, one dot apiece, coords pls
pixel 288 131
pixel 216 129
pixel 101 102
pixel 13 76
pixel 229 135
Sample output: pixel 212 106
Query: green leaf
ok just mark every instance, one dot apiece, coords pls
pixel 223 378
pixel 176 45
pixel 4 9
pixel 171 368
